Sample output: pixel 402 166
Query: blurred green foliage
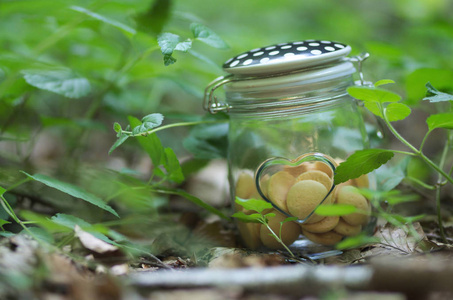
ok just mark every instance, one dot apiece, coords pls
pixel 70 69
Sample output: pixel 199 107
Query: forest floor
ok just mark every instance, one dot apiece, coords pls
pixel 398 267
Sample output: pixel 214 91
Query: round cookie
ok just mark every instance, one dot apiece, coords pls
pixel 323 167
pixel 290 232
pixel 326 224
pixel 362 181
pixel 318 176
pixel 304 196
pixel 329 238
pixel 245 185
pixel 279 185
pixel 350 195
pixel 250 234
pixel 296 171
pixel 346 229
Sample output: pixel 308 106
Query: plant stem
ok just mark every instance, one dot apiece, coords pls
pixel 278 239
pixel 439 188
pixel 169 126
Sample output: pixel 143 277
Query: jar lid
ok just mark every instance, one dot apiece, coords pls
pixel 286 57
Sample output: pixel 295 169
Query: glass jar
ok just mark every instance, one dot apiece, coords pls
pixel 291 123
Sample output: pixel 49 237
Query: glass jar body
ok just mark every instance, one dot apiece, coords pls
pixel 283 131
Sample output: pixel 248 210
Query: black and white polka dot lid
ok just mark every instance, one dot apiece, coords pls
pixel 286 57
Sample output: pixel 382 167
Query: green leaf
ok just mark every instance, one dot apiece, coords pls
pixel 169 42
pixel 154 19
pixel 2 191
pixel 150 143
pixel 356 241
pixel 372 94
pixel 374 108
pixel 416 81
pixel 208 141
pixel 400 198
pixel 69 221
pixel 444 120
pixel 253 218
pixel 397 111
pixel 335 210
pixel 63 82
pixel 123 137
pixel 389 176
pixel 114 23
pixel 207 36
pixel 257 205
pixel 6 234
pixel 72 190
pixel 271 215
pixel 361 162
pixel 192 198
pixel 289 219
pixel 433 95
pixel 171 164
pixel 117 127
pixel 149 122
pixel 382 82
pixel 3 222
pixel 42 221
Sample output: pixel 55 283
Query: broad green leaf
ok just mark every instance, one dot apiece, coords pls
pixel 42 221
pixel 149 122
pixel 361 162
pixel 63 82
pixel 416 81
pixel 397 111
pixel 2 191
pixel 208 141
pixel 150 143
pixel 69 221
pixel 207 36
pixel 400 198
pixel 374 108
pixel 192 198
pixel 444 120
pixel 365 93
pixel 253 218
pixel 383 82
pixel 72 190
pixel 389 176
pixel 335 210
pixel 123 137
pixel 114 23
pixel 184 46
pixel 154 19
pixel 257 205
pixel 270 215
pixel 154 119
pixel 171 164
pixel 167 42
pixel 356 241
pixel 433 95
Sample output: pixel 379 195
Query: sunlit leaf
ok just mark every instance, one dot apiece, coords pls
pixel 69 221
pixel 257 205
pixel 206 35
pixel 383 82
pixel 444 120
pixel 335 210
pixel 374 108
pixel 171 164
pixel 356 241
pixel 62 81
pixel 361 162
pixel 117 127
pixel 397 111
pixel 72 190
pixel 372 94
pixel 150 143
pixel 253 218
